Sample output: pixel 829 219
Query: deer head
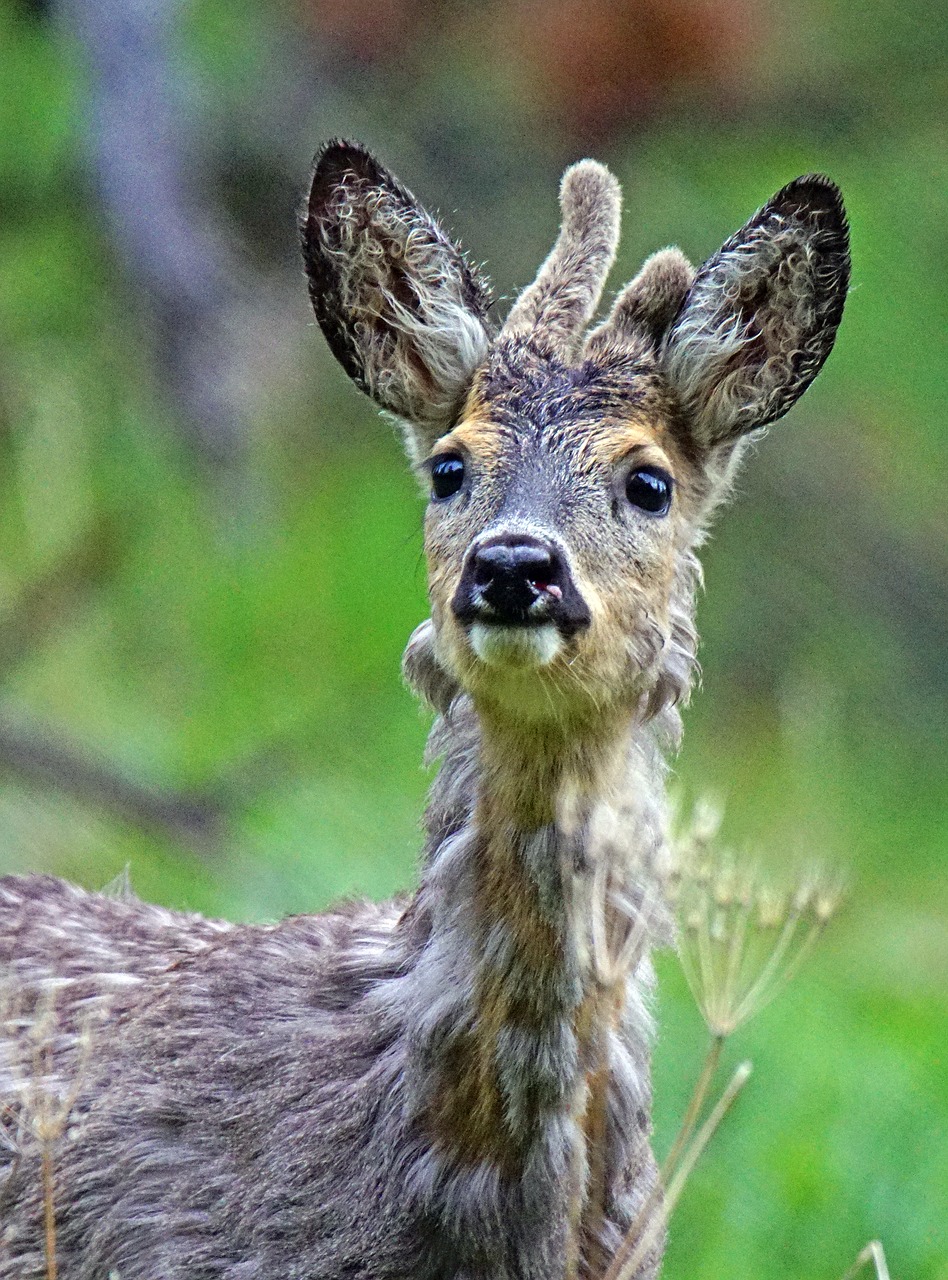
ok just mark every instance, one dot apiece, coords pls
pixel 570 472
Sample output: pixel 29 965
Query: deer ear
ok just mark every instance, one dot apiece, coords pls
pixel 762 314
pixel 401 308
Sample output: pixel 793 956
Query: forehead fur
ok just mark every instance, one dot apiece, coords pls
pixel 523 385
pixel 524 391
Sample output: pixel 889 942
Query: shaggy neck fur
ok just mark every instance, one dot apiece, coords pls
pixel 518 1036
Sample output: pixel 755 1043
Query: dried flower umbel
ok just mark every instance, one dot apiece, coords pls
pixel 742 939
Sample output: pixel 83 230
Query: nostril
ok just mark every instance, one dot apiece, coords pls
pixel 488 562
pixel 540 569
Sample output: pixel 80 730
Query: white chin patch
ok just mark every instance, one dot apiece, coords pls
pixel 516 646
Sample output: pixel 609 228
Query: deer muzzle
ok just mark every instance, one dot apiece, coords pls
pixel 517 580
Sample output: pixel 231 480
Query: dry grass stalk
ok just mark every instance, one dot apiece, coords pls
pixel 742 941
pixel 875 1254
pixel 708 1069
pixel 657 1210
pixel 46 1100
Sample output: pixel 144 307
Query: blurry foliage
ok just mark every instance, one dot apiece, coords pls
pixel 251 655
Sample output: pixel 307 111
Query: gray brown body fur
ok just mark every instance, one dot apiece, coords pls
pixel 256 1100
pixel 456 1086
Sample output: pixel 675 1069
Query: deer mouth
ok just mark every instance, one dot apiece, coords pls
pixel 522 647
pixel 533 606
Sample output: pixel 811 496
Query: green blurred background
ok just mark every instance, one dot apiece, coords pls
pixel 210 555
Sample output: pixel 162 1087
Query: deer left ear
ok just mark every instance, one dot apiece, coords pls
pixel 401 308
pixel 762 314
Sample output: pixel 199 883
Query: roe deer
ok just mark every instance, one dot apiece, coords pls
pixel 456 1086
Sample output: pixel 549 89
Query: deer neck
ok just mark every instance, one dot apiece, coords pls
pixel 514 1020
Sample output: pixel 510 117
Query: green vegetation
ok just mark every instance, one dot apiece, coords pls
pixel 241 640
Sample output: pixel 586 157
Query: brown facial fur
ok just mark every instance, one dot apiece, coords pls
pixel 547 454
pixel 688 362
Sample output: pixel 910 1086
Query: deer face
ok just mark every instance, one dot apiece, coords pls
pixel 569 473
pixel 559 504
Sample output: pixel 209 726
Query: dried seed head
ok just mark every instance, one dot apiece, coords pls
pixel 828 898
pixel 771 908
pixel 742 938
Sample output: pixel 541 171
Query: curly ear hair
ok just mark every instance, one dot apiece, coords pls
pixel 402 309
pixel 762 314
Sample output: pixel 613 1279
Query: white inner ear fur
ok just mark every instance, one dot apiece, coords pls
pixel 713 354
pixel 417 359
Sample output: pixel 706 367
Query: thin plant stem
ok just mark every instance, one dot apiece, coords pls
pixel 755 995
pixel 49 1213
pixel 705 1134
pixel 593 1213
pixel 600 940
pixel 738 935
pixel 699 1093
pixel 631 950
pixel 691 974
pixel 795 963
pixel 706 961
pixel 875 1254
pixel 642 1226
pixel 653 1216
pixel 771 980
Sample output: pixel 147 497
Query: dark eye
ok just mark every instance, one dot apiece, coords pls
pixel 650 490
pixel 447 475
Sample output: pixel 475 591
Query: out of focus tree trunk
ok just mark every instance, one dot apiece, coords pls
pixel 144 149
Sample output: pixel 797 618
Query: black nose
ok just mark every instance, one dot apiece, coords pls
pixel 511 575
pixel 516 580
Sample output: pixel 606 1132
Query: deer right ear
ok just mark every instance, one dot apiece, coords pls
pixel 762 314
pixel 401 308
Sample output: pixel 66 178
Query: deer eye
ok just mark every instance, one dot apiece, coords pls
pixel 447 475
pixel 650 490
